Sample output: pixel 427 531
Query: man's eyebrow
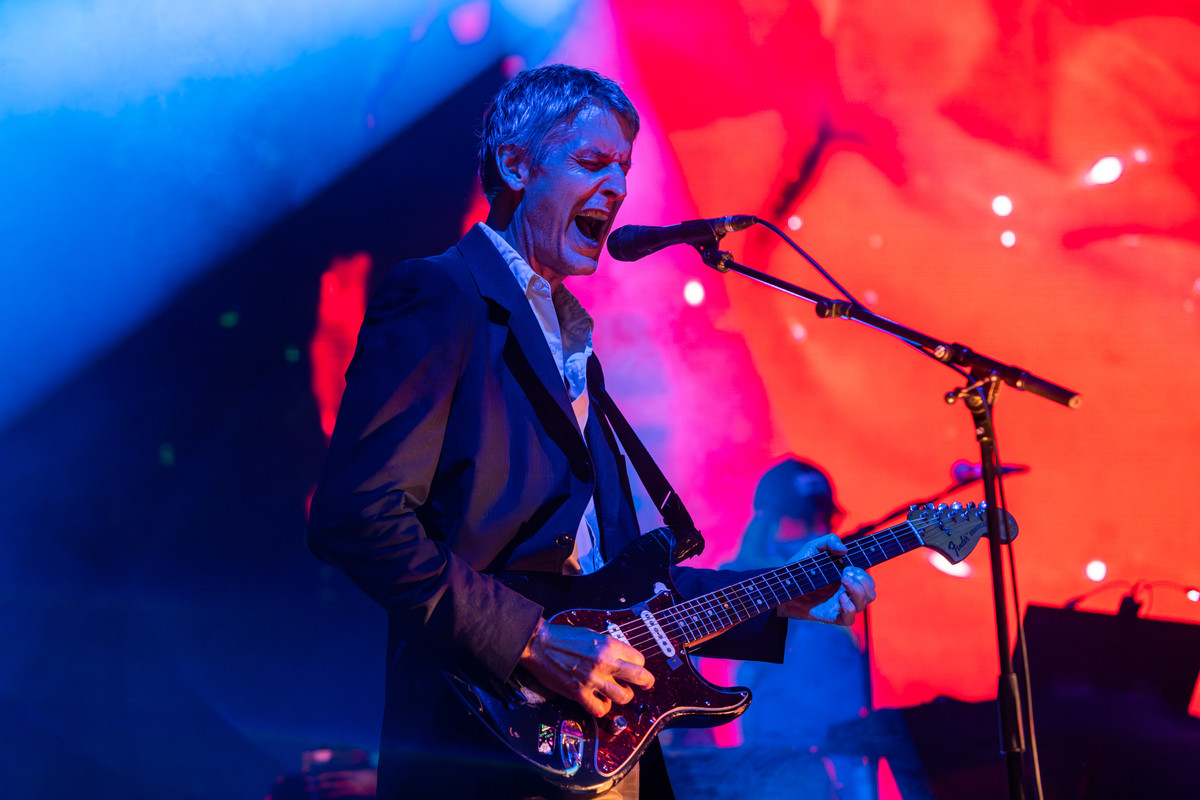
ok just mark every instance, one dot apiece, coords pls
pixel 591 153
pixel 598 152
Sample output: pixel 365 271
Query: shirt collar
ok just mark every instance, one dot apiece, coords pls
pixel 574 319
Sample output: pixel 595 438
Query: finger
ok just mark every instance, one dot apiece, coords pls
pixel 634 673
pixel 859 585
pixel 620 651
pixel 594 703
pixel 848 606
pixel 830 543
pixel 613 689
pixel 617 693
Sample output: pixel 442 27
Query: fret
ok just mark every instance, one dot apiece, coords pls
pixel 720 610
pixel 784 587
pixel 696 628
pixel 782 584
pixel 713 614
pixel 744 606
pixel 776 599
pixel 681 624
pixel 724 608
pixel 762 603
pixel 685 634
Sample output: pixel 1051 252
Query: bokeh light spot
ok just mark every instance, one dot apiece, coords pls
pixel 960 570
pixel 1096 571
pixel 794 223
pixel 693 293
pixel 1002 205
pixel 511 65
pixel 1104 171
pixel 469 22
pixel 1008 238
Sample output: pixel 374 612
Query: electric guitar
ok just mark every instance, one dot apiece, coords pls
pixel 632 599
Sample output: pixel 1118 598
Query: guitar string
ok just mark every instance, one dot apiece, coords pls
pixel 737 599
pixel 736 596
pixel 692 618
pixel 777 584
pixel 715 612
pixel 691 621
pixel 888 542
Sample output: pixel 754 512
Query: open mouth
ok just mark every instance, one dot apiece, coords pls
pixel 591 226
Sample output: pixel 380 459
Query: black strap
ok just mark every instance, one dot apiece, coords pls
pixel 688 541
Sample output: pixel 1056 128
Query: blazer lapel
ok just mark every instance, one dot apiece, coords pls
pixel 609 493
pixel 497 285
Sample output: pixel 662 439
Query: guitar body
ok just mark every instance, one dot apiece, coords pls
pixel 575 751
pixel 633 600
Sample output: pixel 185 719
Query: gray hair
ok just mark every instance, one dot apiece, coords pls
pixel 539 102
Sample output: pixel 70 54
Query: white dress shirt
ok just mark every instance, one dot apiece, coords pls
pixel 568 330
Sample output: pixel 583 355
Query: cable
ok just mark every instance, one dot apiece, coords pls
pixel 1027 682
pixel 846 293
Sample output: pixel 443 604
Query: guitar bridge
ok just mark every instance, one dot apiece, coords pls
pixel 570 746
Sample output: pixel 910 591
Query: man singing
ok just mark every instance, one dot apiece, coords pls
pixel 467 443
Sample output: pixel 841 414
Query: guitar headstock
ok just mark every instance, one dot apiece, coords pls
pixel 954 530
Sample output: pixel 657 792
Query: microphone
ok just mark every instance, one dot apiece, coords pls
pixel 963 471
pixel 631 242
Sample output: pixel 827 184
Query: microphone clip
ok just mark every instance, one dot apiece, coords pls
pixel 714 256
pixel 989 381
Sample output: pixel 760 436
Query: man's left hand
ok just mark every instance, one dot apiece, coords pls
pixel 838 603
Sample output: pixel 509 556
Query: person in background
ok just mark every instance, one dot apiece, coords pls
pixel 822 681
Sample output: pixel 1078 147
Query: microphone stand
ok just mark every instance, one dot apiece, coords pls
pixel 859 532
pixel 979 395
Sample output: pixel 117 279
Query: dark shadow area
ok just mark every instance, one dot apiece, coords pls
pixel 167 632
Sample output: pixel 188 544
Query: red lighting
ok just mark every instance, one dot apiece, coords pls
pixel 339 316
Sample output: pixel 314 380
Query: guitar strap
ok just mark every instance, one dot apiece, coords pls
pixel 688 541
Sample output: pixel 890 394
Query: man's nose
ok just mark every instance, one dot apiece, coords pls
pixel 614 183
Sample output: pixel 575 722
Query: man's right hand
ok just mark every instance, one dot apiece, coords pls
pixel 591 668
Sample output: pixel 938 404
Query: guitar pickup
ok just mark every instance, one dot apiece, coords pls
pixel 660 636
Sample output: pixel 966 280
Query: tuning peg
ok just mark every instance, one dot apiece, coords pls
pixel 942 508
pixel 956 506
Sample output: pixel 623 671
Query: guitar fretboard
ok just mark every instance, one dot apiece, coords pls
pixel 716 612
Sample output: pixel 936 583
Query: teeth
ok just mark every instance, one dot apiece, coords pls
pixel 588 226
pixel 591 223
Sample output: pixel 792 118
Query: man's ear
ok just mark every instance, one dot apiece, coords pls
pixel 513 165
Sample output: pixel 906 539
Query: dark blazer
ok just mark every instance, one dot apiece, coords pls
pixel 456 453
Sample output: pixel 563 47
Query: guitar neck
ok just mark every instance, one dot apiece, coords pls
pixel 716 612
